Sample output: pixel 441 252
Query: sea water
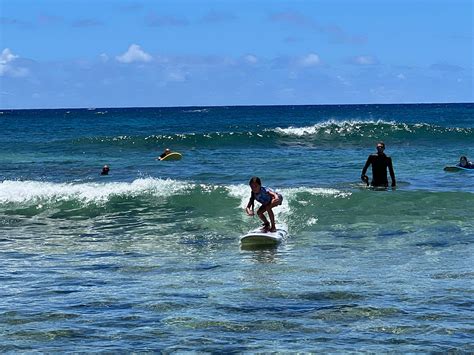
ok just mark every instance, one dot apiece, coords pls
pixel 148 259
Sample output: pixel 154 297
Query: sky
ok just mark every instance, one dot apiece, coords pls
pixel 163 53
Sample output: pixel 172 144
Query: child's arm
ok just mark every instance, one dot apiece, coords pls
pixel 249 210
pixel 274 196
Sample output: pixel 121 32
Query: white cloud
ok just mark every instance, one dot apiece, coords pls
pixel 364 60
pixel 104 58
pixel 176 76
pixel 310 60
pixel 342 80
pixel 7 56
pixel 134 54
pixel 218 17
pixel 333 31
pixel 446 67
pixel 154 20
pixel 6 65
pixel 18 72
pixel 251 59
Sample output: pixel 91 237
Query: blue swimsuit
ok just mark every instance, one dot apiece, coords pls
pixel 264 197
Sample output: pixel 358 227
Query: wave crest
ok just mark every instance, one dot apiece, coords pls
pixel 372 129
pixel 327 132
pixel 39 192
pixel 21 192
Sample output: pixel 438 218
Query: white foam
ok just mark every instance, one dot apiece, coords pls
pixel 243 192
pixel 282 212
pixel 35 191
pixel 316 191
pixel 205 110
pixel 335 127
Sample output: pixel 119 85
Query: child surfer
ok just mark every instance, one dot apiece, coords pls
pixel 268 198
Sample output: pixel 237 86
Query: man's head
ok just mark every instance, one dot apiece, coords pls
pixel 380 147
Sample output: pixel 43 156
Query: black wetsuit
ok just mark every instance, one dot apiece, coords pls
pixel 380 163
pixel 469 165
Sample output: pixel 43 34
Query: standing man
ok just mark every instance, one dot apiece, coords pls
pixel 380 162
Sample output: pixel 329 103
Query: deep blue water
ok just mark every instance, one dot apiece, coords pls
pixel 148 258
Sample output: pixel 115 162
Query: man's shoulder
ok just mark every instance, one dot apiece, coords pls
pixel 383 156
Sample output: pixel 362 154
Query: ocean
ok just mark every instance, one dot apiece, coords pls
pixel 148 257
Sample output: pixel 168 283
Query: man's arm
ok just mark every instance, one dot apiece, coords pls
pixel 392 173
pixel 364 170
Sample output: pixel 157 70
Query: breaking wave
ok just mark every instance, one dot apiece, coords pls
pixel 328 132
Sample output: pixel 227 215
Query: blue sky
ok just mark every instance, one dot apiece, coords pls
pixel 65 53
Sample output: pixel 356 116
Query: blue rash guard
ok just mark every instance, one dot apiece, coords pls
pixel 264 197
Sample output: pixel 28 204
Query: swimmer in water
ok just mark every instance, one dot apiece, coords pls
pixel 380 162
pixel 105 170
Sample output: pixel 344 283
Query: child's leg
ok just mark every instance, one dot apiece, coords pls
pixel 271 215
pixel 260 214
pixel 272 219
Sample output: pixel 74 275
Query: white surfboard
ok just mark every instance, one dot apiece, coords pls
pixel 257 237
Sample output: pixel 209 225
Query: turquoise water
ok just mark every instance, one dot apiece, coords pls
pixel 148 259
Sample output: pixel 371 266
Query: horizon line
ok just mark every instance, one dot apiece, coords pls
pixel 220 106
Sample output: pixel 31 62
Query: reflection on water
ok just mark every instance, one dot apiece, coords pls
pixel 262 253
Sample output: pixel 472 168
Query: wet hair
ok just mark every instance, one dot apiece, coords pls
pixel 255 179
pixel 105 170
pixel 382 144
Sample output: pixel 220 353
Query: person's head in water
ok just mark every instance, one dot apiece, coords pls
pixel 380 147
pixel 105 170
pixel 255 184
pixel 166 152
pixel 463 161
